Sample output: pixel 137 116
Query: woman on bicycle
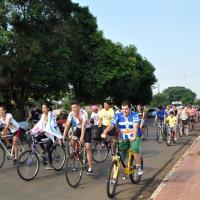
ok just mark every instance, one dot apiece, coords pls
pixel 142 116
pixel 10 126
pixel 47 128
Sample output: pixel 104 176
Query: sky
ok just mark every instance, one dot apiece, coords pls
pixel 166 32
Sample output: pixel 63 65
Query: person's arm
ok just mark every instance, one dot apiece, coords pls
pixel 100 119
pixel 67 125
pixel 83 127
pixel 135 131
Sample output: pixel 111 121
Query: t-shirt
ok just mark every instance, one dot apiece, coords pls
pixel 106 116
pixel 126 124
pixel 77 120
pixel 14 126
pixel 171 121
pixel 95 116
pixel 161 114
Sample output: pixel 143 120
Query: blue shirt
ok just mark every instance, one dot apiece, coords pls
pixel 161 114
pixel 126 124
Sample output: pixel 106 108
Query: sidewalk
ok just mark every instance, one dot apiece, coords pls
pixel 183 181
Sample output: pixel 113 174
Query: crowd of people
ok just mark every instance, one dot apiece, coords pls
pixel 125 124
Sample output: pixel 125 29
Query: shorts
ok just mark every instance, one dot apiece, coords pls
pixel 102 128
pixel 185 122
pixel 17 133
pixel 134 145
pixel 87 137
pixel 142 123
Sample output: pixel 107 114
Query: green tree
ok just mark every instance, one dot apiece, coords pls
pixel 179 93
pixel 159 99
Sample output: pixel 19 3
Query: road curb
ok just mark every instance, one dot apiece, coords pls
pixel 171 172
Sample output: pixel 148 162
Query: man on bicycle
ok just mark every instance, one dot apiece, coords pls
pixel 130 137
pixel 82 130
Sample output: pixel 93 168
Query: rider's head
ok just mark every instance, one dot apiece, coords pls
pixel 126 108
pixel 159 107
pixel 95 108
pixel 75 105
pixel 46 107
pixel 171 113
pixel 2 110
pixel 107 104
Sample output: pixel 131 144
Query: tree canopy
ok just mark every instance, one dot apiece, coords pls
pixel 50 48
pixel 177 93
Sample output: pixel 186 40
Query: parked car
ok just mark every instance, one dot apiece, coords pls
pixel 151 113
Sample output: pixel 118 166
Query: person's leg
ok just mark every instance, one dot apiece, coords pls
pixel 88 139
pixel 123 148
pixel 39 138
pixel 48 148
pixel 15 146
pixel 5 138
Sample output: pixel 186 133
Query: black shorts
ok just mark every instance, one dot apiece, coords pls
pixel 192 118
pixel 102 128
pixel 88 134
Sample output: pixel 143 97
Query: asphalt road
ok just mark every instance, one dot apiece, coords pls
pixel 51 185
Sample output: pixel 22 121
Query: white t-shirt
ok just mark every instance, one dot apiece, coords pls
pixel 95 116
pixel 78 119
pixel 14 126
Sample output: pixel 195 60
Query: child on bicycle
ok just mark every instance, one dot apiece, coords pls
pixel 171 122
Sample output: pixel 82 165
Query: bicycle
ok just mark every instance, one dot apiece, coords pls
pixel 29 163
pixel 100 149
pixel 8 152
pixel 171 136
pixel 76 162
pixel 145 132
pixel 161 132
pixel 128 169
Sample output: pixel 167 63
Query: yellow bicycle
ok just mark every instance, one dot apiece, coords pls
pixel 128 169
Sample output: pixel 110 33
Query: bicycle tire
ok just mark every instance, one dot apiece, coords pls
pixel 112 182
pixel 100 151
pixel 145 133
pixel 26 159
pixel 58 157
pixel 73 165
pixel 159 135
pixel 2 156
pixel 135 179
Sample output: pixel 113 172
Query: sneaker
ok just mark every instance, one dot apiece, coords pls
pixel 89 171
pixel 140 172
pixel 49 167
pixel 15 162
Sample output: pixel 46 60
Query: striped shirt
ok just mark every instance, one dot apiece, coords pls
pixel 126 125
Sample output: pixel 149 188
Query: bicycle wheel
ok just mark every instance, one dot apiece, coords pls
pixel 58 157
pixel 159 135
pixel 145 132
pixel 135 177
pixel 74 171
pixel 2 156
pixel 100 151
pixel 169 139
pixel 180 130
pixel 112 181
pixel 70 148
pixel 28 165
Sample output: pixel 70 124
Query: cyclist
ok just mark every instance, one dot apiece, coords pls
pixel 161 114
pixel 10 126
pixel 129 135
pixel 94 118
pixel 184 119
pixel 83 129
pixel 47 128
pixel 171 122
pixel 142 115
pixel 105 116
pixel 192 116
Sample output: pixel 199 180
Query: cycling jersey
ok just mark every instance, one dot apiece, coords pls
pixel 106 116
pixel 95 117
pixel 161 114
pixel 14 126
pixel 171 121
pixel 77 120
pixel 126 125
